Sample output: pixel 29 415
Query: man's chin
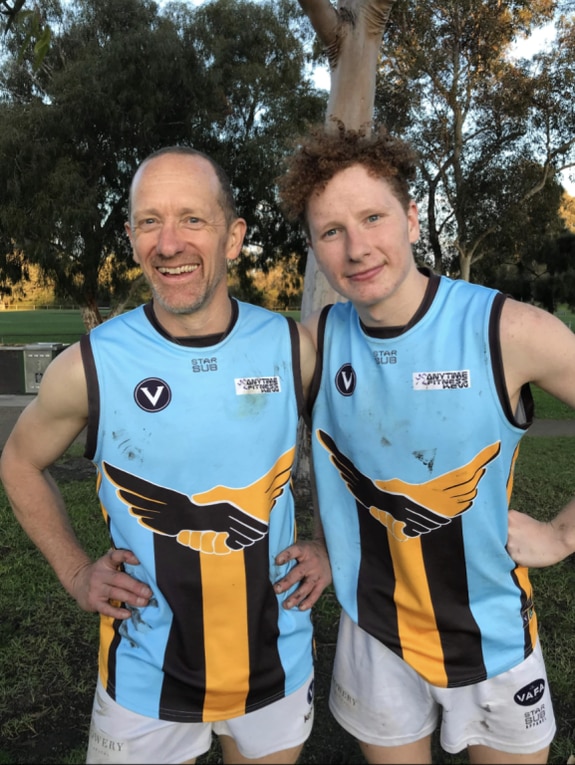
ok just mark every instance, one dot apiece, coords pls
pixel 176 307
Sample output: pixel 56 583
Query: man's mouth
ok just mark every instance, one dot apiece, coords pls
pixel 366 275
pixel 175 271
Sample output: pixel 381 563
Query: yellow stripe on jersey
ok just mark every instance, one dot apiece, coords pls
pixel 107 634
pixel 417 628
pixel 227 659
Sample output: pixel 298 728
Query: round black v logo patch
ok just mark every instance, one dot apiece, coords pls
pixel 345 380
pixel 152 394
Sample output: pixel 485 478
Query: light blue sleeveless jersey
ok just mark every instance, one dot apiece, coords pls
pixel 194 449
pixel 414 453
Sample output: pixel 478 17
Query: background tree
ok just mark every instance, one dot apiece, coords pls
pixel 482 121
pixel 524 258
pixel 255 58
pixel 567 211
pixel 446 82
pixel 351 36
pixel 37 33
pixel 120 80
pixel 13 271
pixel 74 133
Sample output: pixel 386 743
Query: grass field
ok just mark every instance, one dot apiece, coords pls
pixel 41 326
pixel 24 327
pixel 549 408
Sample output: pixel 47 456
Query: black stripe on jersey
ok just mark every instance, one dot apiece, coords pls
pixel 93 396
pixel 117 625
pixel 267 675
pixel 296 366
pixel 317 375
pixel 523 416
pixel 111 665
pixel 375 606
pixel 179 579
pixel 377 614
pixel 444 560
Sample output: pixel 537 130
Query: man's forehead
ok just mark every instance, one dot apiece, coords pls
pixel 180 166
pixel 186 181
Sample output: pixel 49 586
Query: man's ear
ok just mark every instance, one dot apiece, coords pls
pixel 413 222
pixel 236 237
pixel 128 230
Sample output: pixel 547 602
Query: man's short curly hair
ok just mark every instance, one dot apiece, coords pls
pixel 322 153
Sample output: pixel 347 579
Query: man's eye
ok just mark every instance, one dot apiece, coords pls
pixel 373 218
pixel 148 223
pixel 192 222
pixel 330 233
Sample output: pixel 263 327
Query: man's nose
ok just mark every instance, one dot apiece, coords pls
pixel 357 244
pixel 170 241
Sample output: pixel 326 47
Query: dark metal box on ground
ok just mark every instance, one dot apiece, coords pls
pixel 36 360
pixel 11 369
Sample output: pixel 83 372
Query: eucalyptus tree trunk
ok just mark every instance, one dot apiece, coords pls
pixel 351 35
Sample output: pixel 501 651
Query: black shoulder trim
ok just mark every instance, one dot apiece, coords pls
pixel 320 341
pixel 523 416
pixel 93 397
pixel 296 364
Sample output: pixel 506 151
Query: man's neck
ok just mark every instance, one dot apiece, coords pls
pixel 197 333
pixel 398 311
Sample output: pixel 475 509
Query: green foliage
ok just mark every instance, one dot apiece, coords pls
pixel 36 33
pixel 121 79
pixel 255 59
pixel 490 130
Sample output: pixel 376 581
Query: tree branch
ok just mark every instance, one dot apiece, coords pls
pixel 324 19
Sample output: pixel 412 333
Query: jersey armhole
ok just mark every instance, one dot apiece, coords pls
pixel 93 397
pixel 317 375
pixel 296 365
pixel 523 415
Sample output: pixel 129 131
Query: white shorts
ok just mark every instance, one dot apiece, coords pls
pixel 381 700
pixel 119 736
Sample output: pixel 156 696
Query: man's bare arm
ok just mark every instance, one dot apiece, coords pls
pixel 538 348
pixel 312 574
pixel 43 432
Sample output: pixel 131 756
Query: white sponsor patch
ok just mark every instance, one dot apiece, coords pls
pixel 441 380
pixel 245 385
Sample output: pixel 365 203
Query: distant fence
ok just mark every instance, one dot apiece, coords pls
pixel 38 307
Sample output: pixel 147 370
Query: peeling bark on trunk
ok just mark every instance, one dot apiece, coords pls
pixel 91 315
pixel 134 287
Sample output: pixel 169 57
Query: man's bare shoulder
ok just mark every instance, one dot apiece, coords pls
pixel 311 324
pixel 524 320
pixel 307 355
pixel 64 381
pixel 537 347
